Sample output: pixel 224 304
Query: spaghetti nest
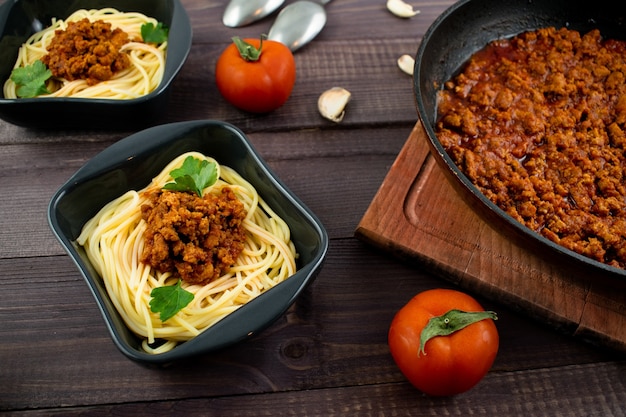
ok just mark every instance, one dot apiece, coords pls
pixel 89 65
pixel 114 240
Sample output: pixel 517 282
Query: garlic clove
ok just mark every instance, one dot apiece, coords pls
pixel 332 103
pixel 401 9
pixel 406 64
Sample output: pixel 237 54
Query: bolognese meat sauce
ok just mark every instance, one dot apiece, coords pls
pixel 87 51
pixel 198 238
pixel 537 122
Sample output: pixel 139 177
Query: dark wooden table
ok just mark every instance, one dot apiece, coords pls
pixel 328 355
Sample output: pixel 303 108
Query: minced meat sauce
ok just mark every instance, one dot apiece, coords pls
pixel 537 123
pixel 197 238
pixel 87 51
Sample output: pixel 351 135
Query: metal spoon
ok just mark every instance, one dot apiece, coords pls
pixel 243 12
pixel 298 23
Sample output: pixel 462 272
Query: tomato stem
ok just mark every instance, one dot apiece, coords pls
pixel 451 322
pixel 248 51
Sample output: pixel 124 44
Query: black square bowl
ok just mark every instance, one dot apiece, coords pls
pixel 130 164
pixel 19 19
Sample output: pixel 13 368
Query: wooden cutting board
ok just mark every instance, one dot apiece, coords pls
pixel 416 214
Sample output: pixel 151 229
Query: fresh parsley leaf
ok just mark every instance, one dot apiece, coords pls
pixel 31 80
pixel 169 300
pixel 193 176
pixel 154 34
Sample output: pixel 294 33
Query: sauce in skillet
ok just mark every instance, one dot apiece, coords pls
pixel 537 122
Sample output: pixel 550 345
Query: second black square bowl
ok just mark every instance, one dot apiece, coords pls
pixel 19 19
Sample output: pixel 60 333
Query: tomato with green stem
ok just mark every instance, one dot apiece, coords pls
pixel 443 341
pixel 256 75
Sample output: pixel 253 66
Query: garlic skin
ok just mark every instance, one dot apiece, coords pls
pixel 401 9
pixel 406 63
pixel 332 103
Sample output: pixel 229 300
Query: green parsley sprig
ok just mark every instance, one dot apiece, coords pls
pixel 31 79
pixel 193 176
pixel 169 300
pixel 154 34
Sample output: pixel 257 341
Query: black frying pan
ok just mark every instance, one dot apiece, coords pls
pixel 467 27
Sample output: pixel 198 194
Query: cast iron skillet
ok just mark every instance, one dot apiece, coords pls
pixel 468 26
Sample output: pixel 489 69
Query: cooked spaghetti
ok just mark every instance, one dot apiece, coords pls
pixel 114 242
pixel 142 74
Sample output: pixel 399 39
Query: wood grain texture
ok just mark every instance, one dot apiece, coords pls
pixel 541 398
pixel 334 336
pixel 327 356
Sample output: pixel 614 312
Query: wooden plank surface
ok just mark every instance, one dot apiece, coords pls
pixel 327 356
pixel 417 214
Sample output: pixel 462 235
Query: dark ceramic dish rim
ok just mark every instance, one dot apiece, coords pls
pixel 454 174
pixel 148 142
pixel 54 111
pixel 181 37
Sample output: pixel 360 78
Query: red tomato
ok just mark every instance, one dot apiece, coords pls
pixel 257 84
pixel 449 364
